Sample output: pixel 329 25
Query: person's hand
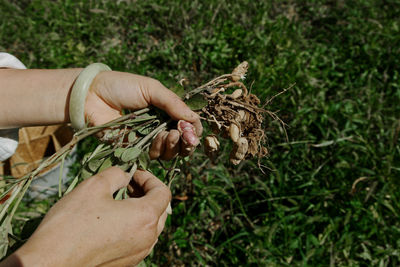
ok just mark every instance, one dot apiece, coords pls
pixel 113 91
pixel 89 228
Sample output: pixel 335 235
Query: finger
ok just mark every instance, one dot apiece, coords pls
pixel 157 194
pixel 158 145
pixel 172 146
pixel 188 133
pixel 160 227
pixel 152 247
pixel 131 260
pixel 110 180
pixel 199 128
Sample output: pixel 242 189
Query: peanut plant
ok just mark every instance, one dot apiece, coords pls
pixel 125 141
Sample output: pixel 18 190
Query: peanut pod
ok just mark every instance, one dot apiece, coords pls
pixel 239 150
pixel 211 144
pixel 234 132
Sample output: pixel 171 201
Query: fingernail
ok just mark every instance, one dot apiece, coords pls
pixel 190 138
pixel 169 209
pixel 184 125
pixel 187 131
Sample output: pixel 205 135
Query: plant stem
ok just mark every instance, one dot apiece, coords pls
pixel 206 86
pixel 9 201
pixel 60 176
pixel 21 195
pixel 171 174
pixel 153 133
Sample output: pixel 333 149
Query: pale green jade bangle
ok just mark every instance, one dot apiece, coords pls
pixel 79 92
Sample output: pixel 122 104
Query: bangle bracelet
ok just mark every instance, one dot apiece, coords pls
pixel 79 91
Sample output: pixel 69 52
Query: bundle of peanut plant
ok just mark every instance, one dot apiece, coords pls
pixel 126 140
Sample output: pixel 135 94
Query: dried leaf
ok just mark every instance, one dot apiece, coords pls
pixel 324 144
pixel 5 228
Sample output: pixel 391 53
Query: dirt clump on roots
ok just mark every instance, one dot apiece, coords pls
pixel 235 116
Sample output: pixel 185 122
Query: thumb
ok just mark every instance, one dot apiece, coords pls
pixel 156 194
pixel 111 180
pixel 158 95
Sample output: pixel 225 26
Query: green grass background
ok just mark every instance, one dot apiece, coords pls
pixel 342 113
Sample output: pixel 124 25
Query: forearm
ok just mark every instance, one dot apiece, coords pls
pixel 35 97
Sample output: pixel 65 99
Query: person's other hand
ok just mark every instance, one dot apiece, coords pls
pixel 113 91
pixel 88 227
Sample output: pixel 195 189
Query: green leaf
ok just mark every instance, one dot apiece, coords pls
pixel 115 132
pixel 74 183
pixel 98 149
pixel 145 130
pixel 124 166
pixel 118 152
pixel 196 102
pixel 132 137
pixel 130 154
pixel 86 173
pixel 94 165
pixel 178 90
pixel 102 154
pixel 144 160
pixel 120 194
pixel 107 163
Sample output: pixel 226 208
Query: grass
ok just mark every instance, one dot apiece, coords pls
pixel 343 117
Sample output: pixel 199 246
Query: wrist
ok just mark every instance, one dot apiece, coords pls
pixel 25 256
pixel 63 95
pixel 35 97
pixel 80 91
pixel 39 256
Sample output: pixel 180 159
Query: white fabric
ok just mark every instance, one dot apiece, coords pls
pixel 9 137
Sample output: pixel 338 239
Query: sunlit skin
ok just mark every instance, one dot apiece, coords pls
pixel 88 227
